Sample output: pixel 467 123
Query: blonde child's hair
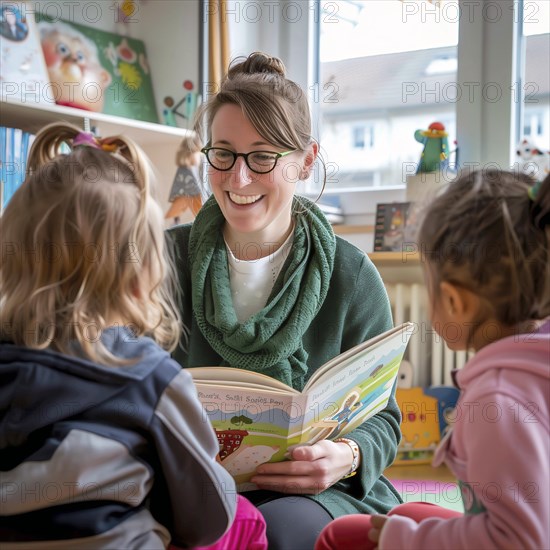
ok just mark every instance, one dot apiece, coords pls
pixel 489 233
pixel 83 244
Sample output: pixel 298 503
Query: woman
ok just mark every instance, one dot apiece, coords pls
pixel 267 286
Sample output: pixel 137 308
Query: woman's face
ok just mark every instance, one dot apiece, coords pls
pixel 258 205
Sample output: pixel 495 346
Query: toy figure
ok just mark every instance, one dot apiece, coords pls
pixel 532 161
pixel 436 148
pixel 186 192
pixel 74 67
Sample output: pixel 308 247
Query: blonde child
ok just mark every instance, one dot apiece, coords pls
pixel 485 241
pixel 103 442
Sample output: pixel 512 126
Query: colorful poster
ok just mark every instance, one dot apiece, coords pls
pixel 96 70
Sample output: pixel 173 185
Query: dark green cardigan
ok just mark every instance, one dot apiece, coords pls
pixel 356 308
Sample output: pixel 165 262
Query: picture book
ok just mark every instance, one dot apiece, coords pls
pixel 96 70
pixel 395 226
pixel 258 419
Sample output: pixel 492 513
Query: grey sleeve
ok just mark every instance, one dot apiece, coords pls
pixel 202 495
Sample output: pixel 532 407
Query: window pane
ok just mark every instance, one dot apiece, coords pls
pixel 536 88
pixel 387 69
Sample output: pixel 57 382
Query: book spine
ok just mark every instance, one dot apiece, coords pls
pixel 3 153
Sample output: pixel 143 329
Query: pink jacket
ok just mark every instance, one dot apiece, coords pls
pixel 499 449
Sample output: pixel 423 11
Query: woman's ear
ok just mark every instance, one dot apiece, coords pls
pixel 309 159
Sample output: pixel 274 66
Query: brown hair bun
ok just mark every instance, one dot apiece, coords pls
pixel 255 63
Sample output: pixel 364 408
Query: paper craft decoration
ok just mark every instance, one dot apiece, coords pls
pixel 23 74
pixel 96 70
pixel 186 192
pixel 395 226
pixel 533 161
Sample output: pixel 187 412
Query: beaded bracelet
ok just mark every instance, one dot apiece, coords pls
pixel 356 454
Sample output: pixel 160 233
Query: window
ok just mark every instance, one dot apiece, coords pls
pixel 536 79
pixel 533 125
pixel 363 136
pixel 379 90
pixel 359 137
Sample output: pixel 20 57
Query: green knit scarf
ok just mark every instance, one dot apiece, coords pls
pixel 269 342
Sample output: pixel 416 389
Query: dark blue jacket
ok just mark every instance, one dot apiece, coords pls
pixel 96 456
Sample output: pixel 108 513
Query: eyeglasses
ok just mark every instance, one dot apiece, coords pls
pixel 260 162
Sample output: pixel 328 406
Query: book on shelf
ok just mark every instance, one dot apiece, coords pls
pixel 259 419
pixel 395 226
pixel 14 149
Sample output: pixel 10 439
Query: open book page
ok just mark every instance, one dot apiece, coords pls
pixel 258 419
pixel 357 385
pixel 236 377
pixel 252 425
pixel 398 336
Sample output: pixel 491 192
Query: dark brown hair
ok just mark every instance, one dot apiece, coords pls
pixel 485 233
pixel 276 106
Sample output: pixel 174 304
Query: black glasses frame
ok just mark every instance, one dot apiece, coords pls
pixel 206 150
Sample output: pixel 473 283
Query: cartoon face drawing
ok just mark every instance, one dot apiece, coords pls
pixel 76 74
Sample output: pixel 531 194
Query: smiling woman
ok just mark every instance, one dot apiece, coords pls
pixel 267 286
pixel 254 190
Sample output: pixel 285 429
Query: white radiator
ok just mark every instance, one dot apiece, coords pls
pixel 431 359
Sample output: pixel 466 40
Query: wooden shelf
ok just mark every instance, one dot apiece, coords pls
pixel 31 116
pixel 398 267
pixel 394 259
pixel 343 229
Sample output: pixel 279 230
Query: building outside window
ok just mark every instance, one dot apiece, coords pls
pixel 391 66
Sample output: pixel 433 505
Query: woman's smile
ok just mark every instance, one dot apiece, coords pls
pixel 244 200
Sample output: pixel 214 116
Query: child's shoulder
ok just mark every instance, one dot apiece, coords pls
pixel 513 366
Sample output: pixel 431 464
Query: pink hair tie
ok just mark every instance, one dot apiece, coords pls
pixel 86 139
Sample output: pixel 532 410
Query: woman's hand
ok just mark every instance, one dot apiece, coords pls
pixel 377 524
pixel 312 469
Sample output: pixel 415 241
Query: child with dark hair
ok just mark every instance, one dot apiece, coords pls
pixel 485 242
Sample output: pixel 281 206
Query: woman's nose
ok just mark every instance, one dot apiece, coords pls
pixel 241 174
